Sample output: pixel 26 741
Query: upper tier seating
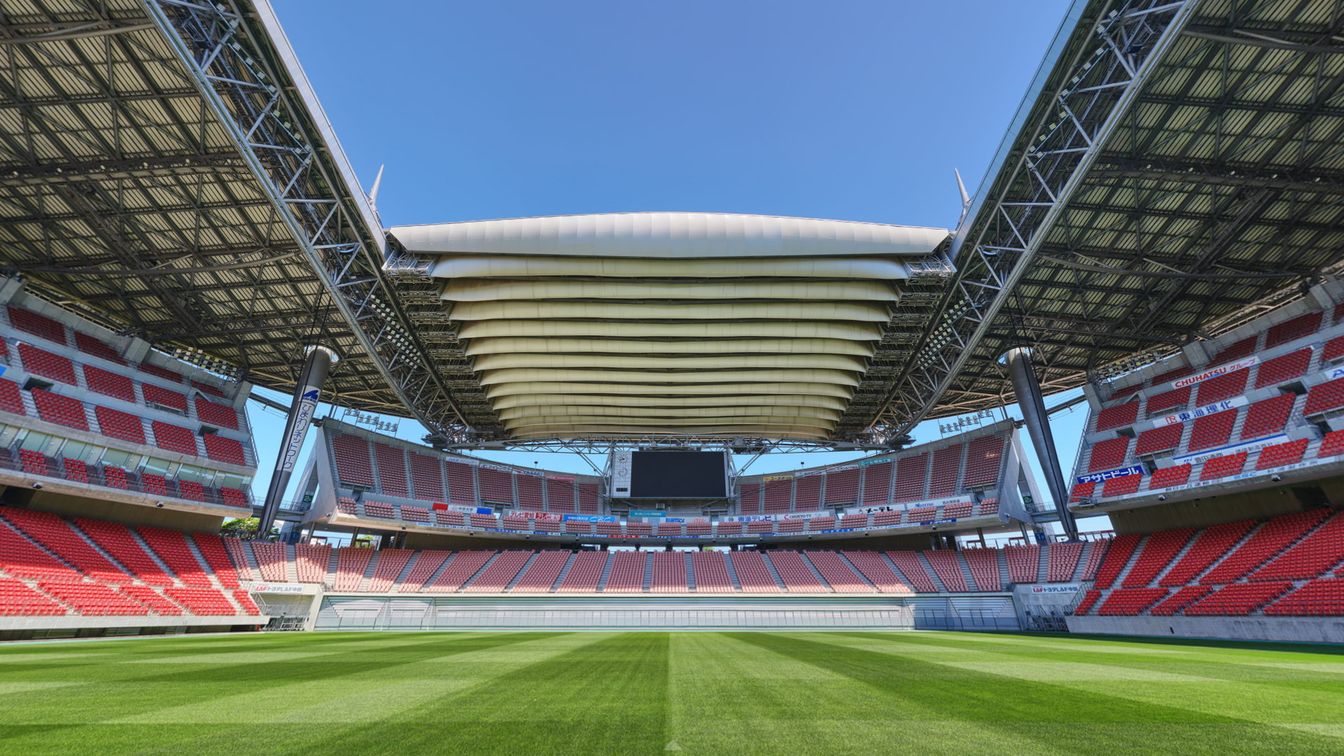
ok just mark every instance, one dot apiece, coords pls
pixel 1290 330
pixel 1168 400
pixel 1118 416
pixel 162 397
pixel 496 485
pixel 354 465
pixel 1284 368
pixel 778 495
pixel 1222 387
pixel 111 384
pixel 946 467
pixel 1213 430
pixel 222 415
pixel 530 492
pixel 1236 351
pixel 60 410
pixel 1268 416
pixel 224 449
pixel 1324 397
pixel 1157 440
pixel 38 325
pixel 984 458
pixel 391 462
pixel 120 425
pixel 807 493
pixel 842 488
pixel 910 477
pixel 47 364
pixel 877 483
pixel 95 348
pixel 1108 454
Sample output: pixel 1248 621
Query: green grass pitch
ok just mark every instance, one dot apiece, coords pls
pixel 527 693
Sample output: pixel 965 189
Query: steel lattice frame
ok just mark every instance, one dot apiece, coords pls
pixel 1103 82
pixel 347 255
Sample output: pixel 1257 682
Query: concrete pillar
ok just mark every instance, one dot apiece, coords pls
pixel 1028 391
pixel 307 393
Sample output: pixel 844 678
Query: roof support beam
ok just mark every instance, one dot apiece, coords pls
pixel 1001 240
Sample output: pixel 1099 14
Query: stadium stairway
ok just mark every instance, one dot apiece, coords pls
pixel 690 571
pixel 774 573
pixel 606 572
pixel 732 574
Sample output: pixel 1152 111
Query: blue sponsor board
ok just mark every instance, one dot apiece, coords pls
pixel 646 513
pixel 590 518
pixel 1104 475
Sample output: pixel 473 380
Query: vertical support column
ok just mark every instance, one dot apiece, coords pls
pixel 307 393
pixel 1028 391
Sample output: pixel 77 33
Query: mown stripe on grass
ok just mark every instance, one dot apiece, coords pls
pixel 992 701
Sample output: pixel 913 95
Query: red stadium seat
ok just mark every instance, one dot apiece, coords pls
pixel 1213 430
pixel 1158 440
pixel 60 410
pixel 1174 399
pixel 92 346
pixel 38 325
pixel 161 397
pixel 1222 387
pixel 120 425
pixel 223 449
pixel 1118 416
pixel 1223 466
pixel 107 383
pixel 1324 397
pixel 1108 455
pixel 1267 417
pixel 173 438
pixel 1291 330
pixel 1167 477
pixel 47 364
pixel 1279 455
pixel 1283 368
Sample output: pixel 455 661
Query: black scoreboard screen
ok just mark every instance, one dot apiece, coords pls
pixel 678 475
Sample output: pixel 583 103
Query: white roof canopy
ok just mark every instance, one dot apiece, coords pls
pixel 646 324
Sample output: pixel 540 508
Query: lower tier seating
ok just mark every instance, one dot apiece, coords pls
pixel 1283 566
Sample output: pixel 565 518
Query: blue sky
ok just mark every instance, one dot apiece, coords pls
pixel 846 110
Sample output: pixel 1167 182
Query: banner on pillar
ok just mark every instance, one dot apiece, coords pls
pixel 302 416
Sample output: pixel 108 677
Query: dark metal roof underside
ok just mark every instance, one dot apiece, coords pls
pixel 121 197
pixel 1219 195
